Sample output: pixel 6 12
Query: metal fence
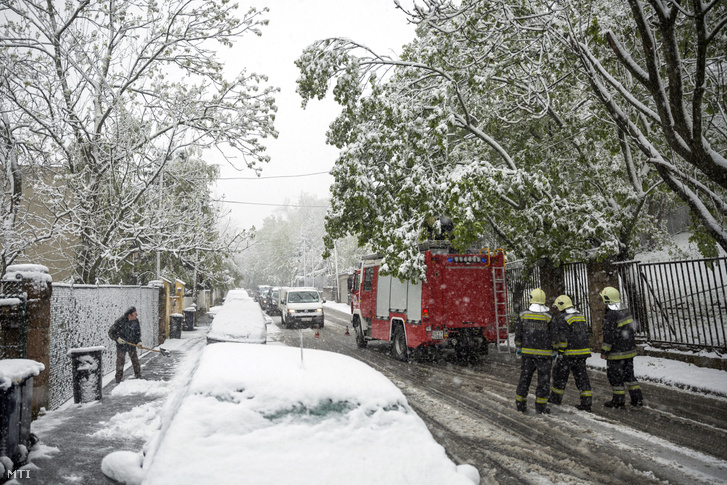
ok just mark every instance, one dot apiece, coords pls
pixel 678 303
pixel 576 286
pixel 521 281
pixel 13 319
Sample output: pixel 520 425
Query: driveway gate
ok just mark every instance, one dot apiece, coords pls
pixel 13 319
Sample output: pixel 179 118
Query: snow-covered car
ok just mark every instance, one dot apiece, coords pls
pixel 271 414
pixel 239 320
pixel 237 294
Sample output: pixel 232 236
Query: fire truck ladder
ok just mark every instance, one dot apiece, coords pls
pixel 500 290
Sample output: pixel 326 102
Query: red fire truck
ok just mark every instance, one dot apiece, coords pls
pixel 462 304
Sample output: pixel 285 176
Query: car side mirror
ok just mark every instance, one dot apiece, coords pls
pixel 324 300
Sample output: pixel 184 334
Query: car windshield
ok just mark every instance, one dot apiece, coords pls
pixel 301 413
pixel 303 297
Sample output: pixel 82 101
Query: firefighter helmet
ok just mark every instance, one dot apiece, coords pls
pixel 563 302
pixel 537 296
pixel 610 295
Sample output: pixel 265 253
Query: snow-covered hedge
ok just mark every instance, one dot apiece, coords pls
pixel 81 316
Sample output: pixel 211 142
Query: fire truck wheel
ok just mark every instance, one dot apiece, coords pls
pixel 360 339
pixel 401 351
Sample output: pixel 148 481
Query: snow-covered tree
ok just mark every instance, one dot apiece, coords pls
pixel 106 94
pixel 482 121
pixel 177 226
pixel 288 250
pixel 660 73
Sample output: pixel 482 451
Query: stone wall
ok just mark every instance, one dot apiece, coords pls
pixel 81 316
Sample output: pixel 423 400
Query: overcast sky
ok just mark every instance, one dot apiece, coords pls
pixel 300 148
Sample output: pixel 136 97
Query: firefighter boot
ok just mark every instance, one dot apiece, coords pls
pixel 637 399
pixel 617 402
pixel 585 404
pixel 555 398
pixel 542 408
pixel 521 406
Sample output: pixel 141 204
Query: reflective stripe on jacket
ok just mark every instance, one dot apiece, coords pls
pixel 534 334
pixel 618 335
pixel 573 335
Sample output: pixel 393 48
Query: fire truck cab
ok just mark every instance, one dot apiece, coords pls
pixel 462 304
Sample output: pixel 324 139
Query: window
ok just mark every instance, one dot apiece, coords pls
pixel 303 297
pixel 356 280
pixel 368 278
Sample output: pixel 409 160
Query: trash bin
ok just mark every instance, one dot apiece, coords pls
pixel 10 404
pixel 175 325
pixel 189 314
pixel 87 365
pixel 16 400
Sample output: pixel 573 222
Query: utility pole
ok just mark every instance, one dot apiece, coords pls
pixel 161 191
pixel 335 260
pixel 196 253
pixel 305 275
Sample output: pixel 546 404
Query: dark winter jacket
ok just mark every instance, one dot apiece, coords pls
pixel 573 335
pixel 535 334
pixel 129 330
pixel 618 335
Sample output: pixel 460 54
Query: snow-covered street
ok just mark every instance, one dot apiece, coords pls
pixel 190 190
pixel 469 410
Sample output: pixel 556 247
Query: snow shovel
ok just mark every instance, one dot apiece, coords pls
pixel 162 351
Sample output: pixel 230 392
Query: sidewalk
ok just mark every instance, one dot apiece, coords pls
pixel 75 438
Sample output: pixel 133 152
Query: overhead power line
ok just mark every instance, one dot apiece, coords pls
pixel 274 176
pixel 274 205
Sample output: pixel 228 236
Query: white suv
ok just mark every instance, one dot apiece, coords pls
pixel 301 306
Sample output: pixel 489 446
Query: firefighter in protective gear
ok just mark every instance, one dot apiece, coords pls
pixel 619 350
pixel 572 337
pixel 534 340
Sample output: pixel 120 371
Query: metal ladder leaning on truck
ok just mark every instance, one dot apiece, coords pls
pixel 462 304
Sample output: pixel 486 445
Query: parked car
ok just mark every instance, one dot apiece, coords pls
pixel 239 320
pixel 260 291
pixel 301 306
pixel 267 414
pixel 264 299
pixel 272 301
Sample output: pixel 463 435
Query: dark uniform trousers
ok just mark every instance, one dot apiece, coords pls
pixel 527 369
pixel 620 349
pixel 534 338
pixel 620 373
pixel 562 369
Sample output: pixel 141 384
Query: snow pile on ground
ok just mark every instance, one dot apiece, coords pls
pixel 124 467
pixel 141 386
pixel 674 373
pixel 141 421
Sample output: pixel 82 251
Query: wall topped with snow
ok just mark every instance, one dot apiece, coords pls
pixel 15 371
pixel 36 272
pixel 81 316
